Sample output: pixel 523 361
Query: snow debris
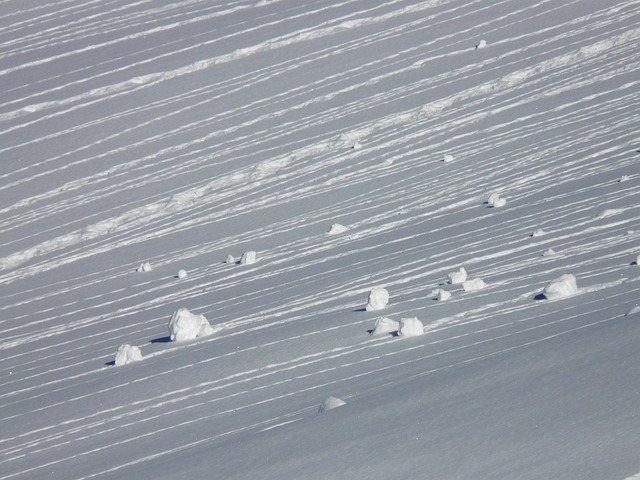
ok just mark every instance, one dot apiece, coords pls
pixel 336 229
pixel 538 233
pixel 448 158
pixel 185 325
pixel 182 273
pixel 410 327
pixel 248 257
pixel 496 201
pixel 385 325
pixel 633 311
pixel 331 403
pixel 127 354
pixel 481 44
pixel 144 267
pixel 475 284
pixel 230 259
pixel 378 299
pixel 441 294
pixel 561 287
pixel 457 278
pixel 549 252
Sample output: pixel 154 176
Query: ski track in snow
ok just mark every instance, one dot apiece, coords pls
pixel 125 126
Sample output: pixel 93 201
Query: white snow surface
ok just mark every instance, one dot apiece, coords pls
pixel 180 131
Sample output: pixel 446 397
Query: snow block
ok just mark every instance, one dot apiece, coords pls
pixel 127 354
pixel 144 267
pixel 561 287
pixel 475 284
pixel 410 327
pixel 185 325
pixel 385 325
pixel 456 278
pixel 336 229
pixel 331 403
pixel 378 299
pixel 248 257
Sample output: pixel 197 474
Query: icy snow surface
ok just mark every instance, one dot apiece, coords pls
pixel 180 133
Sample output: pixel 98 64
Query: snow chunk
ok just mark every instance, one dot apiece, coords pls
pixel 496 201
pixel 633 311
pixel 549 252
pixel 144 267
pixel 441 294
pixel 248 257
pixel 185 325
pixel 230 260
pixel 624 178
pixel 475 284
pixel 356 146
pixel 481 44
pixel 127 354
pixel 456 278
pixel 561 287
pixel 610 212
pixel 410 327
pixel 182 273
pixel 638 260
pixel 331 403
pixel 538 233
pixel 336 229
pixel 378 299
pixel 448 158
pixel 385 325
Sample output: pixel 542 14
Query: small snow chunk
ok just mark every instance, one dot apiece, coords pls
pixel 633 311
pixel 447 158
pixel 410 327
pixel 475 284
pixel 378 299
pixel 337 229
pixel 457 278
pixel 624 178
pixel 185 325
pixel 442 295
pixel 481 44
pixel 638 260
pixel 356 146
pixel 230 260
pixel 144 267
pixel 127 354
pixel 538 233
pixel 561 287
pixel 248 257
pixel 385 325
pixel 331 403
pixel 549 252
pixel 496 201
pixel 182 273
pixel 610 212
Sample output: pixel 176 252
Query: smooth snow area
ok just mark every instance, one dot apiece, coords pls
pixel 177 134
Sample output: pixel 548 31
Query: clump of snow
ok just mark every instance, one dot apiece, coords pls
pixel 561 287
pixel 448 158
pixel 331 403
pixel 356 146
pixel 549 252
pixel 336 229
pixel 127 354
pixel 624 178
pixel 610 212
pixel 481 44
pixel 441 294
pixel 496 201
pixel 538 233
pixel 475 284
pixel 633 311
pixel 185 325
pixel 248 257
pixel 378 299
pixel 182 273
pixel 144 267
pixel 456 278
pixel 230 259
pixel 410 327
pixel 385 325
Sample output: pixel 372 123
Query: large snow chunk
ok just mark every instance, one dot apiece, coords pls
pixel 337 229
pixel 185 325
pixel 561 287
pixel 385 325
pixel 410 327
pixel 248 257
pixel 475 284
pixel 127 354
pixel 378 299
pixel 456 278
pixel 448 158
pixel 331 403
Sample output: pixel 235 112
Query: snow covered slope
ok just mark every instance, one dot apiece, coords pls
pixel 266 165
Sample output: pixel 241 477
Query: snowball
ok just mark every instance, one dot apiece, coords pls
pixel 385 325
pixel 561 287
pixel 127 354
pixel 378 299
pixel 336 229
pixel 442 295
pixel 331 403
pixel 481 44
pixel 230 259
pixel 410 327
pixel 182 274
pixel 447 158
pixel 185 325
pixel 475 284
pixel 538 233
pixel 248 257
pixel 456 278
pixel 144 267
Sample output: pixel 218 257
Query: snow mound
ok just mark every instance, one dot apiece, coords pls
pixel 182 273
pixel 538 233
pixel 410 327
pixel 441 294
pixel 185 325
pixel 127 354
pixel 385 325
pixel 249 257
pixel 633 310
pixel 144 267
pixel 448 158
pixel 475 284
pixel 331 403
pixel 336 229
pixel 378 299
pixel 456 278
pixel 561 287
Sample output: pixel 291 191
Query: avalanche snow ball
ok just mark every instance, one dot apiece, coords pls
pixel 127 354
pixel 410 327
pixel 378 299
pixel 185 325
pixel 248 257
pixel 331 403
pixel 385 325
pixel 561 287
pixel 456 278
